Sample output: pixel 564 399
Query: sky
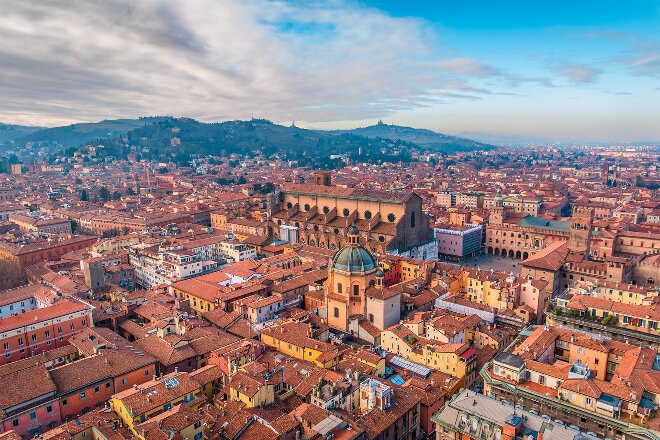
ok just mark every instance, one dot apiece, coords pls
pixel 566 70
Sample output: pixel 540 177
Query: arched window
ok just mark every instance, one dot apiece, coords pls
pixel 289 205
pixel 346 212
pixel 307 207
pixel 391 218
pixel 412 219
pixel 367 214
pixel 326 210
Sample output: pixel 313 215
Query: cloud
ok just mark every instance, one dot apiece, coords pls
pixel 467 66
pixel 65 61
pixel 579 74
pixel 75 60
pixel 645 60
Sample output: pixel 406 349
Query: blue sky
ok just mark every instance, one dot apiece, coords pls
pixel 565 70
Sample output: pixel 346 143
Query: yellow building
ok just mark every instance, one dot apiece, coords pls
pixel 203 296
pixel 296 339
pixel 458 360
pixel 253 390
pixel 138 404
pixel 592 353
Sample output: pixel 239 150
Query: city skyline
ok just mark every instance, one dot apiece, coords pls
pixel 561 70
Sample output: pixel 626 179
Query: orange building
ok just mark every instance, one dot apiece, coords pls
pixel 34 330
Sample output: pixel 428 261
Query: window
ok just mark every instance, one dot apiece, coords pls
pixel 124 381
pixel 72 326
pixel 84 323
pixel 107 384
pixel 49 409
pixel 346 212
pixel 587 401
pixel 356 290
pixel 336 312
pixel 371 317
pixel 20 341
pixel 391 217
pixel 33 415
pixel 412 219
pixel 82 395
pixel 339 288
pixel 97 389
pixel 307 207
pixel 34 338
pixel 6 345
pixel 47 334
pixel 146 372
pixel 14 422
pixel 580 350
pixel 367 214
pixel 59 329
pixel 65 402
pixel 596 361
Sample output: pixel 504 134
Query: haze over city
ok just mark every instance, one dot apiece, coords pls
pixel 558 70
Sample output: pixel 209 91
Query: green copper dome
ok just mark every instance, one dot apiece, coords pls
pixel 353 259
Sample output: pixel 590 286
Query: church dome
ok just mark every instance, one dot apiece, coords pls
pixel 353 259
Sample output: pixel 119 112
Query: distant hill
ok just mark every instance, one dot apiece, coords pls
pixel 9 132
pixel 75 135
pixel 168 138
pixel 428 139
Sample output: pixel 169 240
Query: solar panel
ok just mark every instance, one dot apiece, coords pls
pixel 171 383
pixel 414 368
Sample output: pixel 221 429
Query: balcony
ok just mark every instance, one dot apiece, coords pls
pixel 630 430
pixel 652 336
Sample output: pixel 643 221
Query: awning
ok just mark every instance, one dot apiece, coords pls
pixel 467 354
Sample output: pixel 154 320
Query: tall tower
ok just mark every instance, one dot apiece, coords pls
pixel 322 178
pixel 606 172
pixel 498 213
pixel 582 221
pixel 351 271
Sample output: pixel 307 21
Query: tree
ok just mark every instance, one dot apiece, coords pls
pixel 78 181
pixel 162 170
pixel 83 196
pixel 241 180
pixel 104 193
pixel 116 195
pixel 130 192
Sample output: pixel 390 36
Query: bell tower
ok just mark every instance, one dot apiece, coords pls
pixel 582 221
pixel 498 212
